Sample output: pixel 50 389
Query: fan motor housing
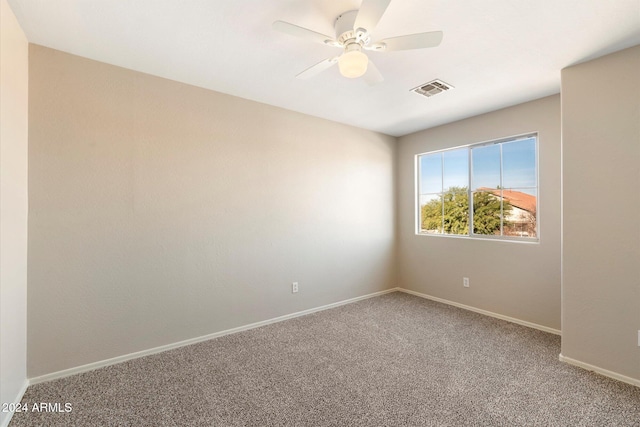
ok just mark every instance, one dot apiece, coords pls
pixel 346 34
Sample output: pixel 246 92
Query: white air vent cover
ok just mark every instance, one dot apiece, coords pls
pixel 434 87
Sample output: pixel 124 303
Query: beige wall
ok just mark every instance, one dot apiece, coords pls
pixel 13 208
pixel 601 201
pixel 519 280
pixel 161 212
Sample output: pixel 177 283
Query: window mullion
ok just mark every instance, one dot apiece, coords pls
pixel 442 190
pixel 501 196
pixel 470 193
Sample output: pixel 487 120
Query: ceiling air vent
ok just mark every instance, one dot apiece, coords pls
pixel 434 87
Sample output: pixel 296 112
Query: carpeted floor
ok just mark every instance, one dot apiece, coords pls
pixel 393 360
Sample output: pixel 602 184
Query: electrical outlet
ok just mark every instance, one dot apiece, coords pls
pixel 294 287
pixel 465 282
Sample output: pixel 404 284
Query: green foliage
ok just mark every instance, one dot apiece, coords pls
pixel 486 213
pixel 449 214
pixel 456 212
pixel 432 215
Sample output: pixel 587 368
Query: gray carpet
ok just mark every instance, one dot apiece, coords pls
pixel 393 360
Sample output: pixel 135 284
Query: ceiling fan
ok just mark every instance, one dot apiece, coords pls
pixel 353 35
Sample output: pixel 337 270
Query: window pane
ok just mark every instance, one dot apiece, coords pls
pixel 487 212
pixel 520 219
pixel 485 167
pixel 456 169
pixel 456 211
pixel 499 190
pixel 431 173
pixel 431 214
pixel 519 163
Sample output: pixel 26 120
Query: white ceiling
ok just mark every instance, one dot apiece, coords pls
pixel 495 53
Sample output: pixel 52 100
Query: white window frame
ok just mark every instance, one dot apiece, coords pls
pixel 471 234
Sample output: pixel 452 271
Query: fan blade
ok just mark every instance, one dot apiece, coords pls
pixel 318 68
pixel 412 41
pixel 370 13
pixel 304 33
pixel 372 76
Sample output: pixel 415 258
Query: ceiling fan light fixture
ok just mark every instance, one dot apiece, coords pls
pixel 353 64
pixel 353 33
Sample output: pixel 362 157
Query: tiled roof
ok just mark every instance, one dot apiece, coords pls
pixel 518 199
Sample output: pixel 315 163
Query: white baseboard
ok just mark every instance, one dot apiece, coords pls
pixel 5 422
pixel 601 371
pixel 583 365
pixel 119 359
pixel 123 358
pixel 485 312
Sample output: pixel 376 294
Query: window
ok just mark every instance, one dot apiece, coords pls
pixel 487 190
